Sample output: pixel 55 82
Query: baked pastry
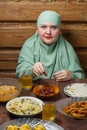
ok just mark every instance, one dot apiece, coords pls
pixel 12 127
pixel 39 127
pixel 25 127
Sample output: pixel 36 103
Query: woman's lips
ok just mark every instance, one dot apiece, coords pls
pixel 48 37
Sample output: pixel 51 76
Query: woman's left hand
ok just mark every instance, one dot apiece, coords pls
pixel 63 75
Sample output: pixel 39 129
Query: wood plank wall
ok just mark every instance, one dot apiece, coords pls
pixel 18 22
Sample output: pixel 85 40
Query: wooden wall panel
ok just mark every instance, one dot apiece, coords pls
pixel 8 65
pixel 18 22
pixel 14 35
pixel 82 54
pixel 9 55
pixel 7 74
pixel 76 34
pixel 29 11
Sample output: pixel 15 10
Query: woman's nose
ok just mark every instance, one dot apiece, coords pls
pixel 48 30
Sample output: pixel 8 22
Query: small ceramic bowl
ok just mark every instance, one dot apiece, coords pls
pixel 46 90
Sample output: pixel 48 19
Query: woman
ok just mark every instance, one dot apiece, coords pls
pixel 47 54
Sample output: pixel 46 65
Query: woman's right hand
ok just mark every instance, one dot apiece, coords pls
pixel 39 69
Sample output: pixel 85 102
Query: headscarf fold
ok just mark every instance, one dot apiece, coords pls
pixel 49 16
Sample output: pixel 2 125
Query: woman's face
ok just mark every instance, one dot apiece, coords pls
pixel 49 33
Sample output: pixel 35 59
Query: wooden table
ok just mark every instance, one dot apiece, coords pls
pixel 66 122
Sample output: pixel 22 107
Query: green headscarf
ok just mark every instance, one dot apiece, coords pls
pixel 49 16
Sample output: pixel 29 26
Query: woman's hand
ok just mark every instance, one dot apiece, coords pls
pixel 39 69
pixel 63 75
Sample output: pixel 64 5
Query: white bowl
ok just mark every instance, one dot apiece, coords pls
pixel 25 106
pixel 76 90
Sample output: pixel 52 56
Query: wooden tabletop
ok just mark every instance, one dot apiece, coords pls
pixel 67 123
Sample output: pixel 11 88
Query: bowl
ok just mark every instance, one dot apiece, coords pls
pixel 46 90
pixel 24 106
pixel 9 88
pixel 73 107
pixel 76 90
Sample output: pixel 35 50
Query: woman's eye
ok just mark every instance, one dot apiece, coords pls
pixel 43 27
pixel 53 27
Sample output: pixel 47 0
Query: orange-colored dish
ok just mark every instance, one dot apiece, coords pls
pixel 9 88
pixel 46 90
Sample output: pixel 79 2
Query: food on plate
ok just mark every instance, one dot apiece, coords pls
pixel 46 90
pixel 26 127
pixel 39 127
pixel 22 127
pixel 7 89
pixel 77 109
pixel 76 90
pixel 12 127
pixel 24 106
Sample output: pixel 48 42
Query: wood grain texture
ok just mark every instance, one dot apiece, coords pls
pixel 29 11
pixel 15 34
pixel 66 122
pixel 18 22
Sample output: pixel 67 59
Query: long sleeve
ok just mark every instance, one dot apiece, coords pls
pixel 71 62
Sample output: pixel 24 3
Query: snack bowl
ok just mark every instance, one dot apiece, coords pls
pixel 24 106
pixel 73 107
pixel 46 90
pixel 9 88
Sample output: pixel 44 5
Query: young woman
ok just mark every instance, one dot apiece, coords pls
pixel 47 54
